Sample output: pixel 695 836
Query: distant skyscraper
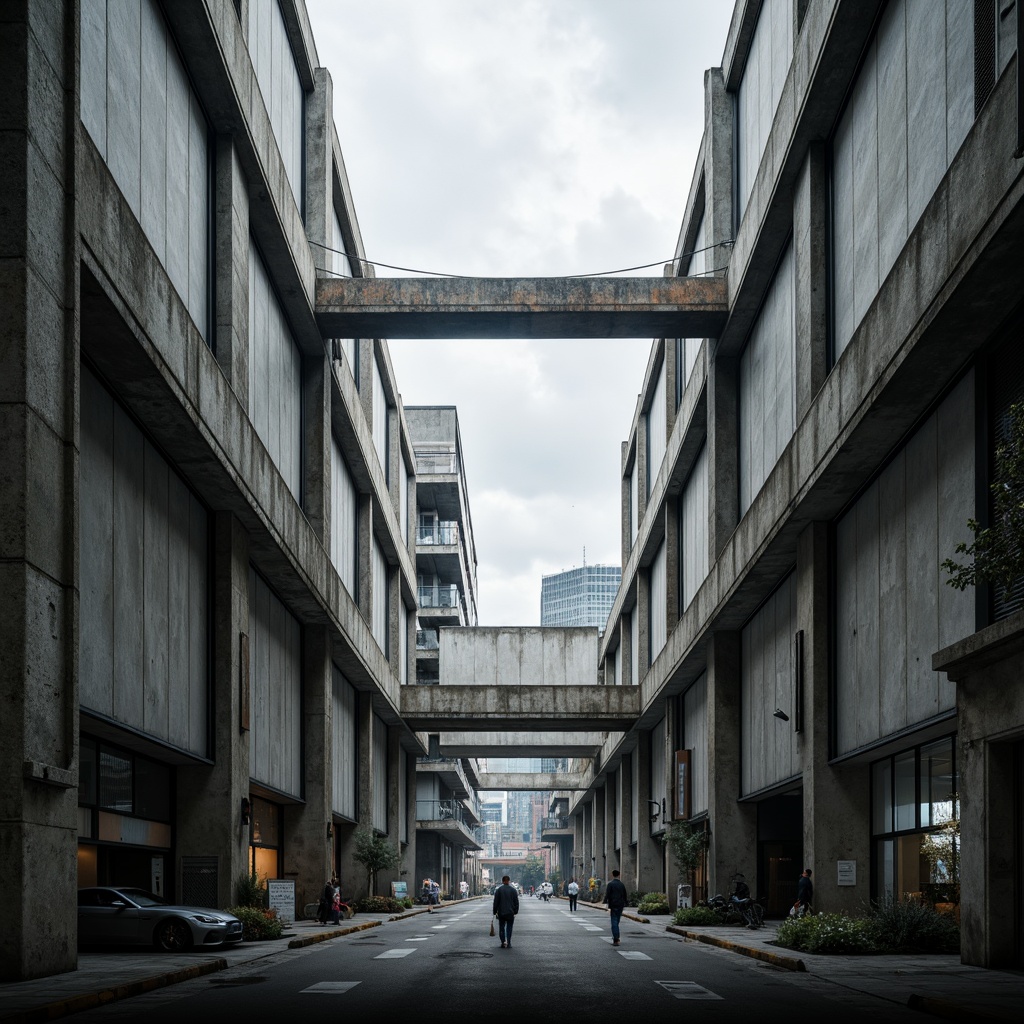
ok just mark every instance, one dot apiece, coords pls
pixel 579 597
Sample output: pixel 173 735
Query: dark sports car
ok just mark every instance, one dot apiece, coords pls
pixel 129 916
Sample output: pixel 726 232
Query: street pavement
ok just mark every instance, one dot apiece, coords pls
pixel 938 985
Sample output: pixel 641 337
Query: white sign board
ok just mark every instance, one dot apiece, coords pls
pixel 847 872
pixel 281 897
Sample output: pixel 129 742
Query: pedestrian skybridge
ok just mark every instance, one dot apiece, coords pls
pixel 521 307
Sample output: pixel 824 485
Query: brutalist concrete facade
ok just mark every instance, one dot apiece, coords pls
pixel 791 487
pixel 196 598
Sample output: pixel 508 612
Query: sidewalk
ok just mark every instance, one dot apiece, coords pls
pixel 104 976
pixel 938 985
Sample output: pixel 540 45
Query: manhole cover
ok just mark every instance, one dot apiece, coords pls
pixel 224 982
pixel 463 955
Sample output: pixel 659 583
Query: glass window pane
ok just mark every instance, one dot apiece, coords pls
pixel 938 783
pixel 885 855
pixel 906 790
pixel 881 797
pixel 115 781
pixel 87 771
pixel 152 790
pixel 265 822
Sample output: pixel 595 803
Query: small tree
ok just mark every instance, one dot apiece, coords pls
pixel 998 550
pixel 375 853
pixel 687 844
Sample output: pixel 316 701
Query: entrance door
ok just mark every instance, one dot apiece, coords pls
pixel 780 868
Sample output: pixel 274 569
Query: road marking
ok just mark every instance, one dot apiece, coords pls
pixel 421 938
pixel 438 927
pixel 633 954
pixel 687 990
pixel 392 954
pixel 592 927
pixel 322 988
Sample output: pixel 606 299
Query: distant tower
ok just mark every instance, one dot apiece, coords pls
pixel 579 597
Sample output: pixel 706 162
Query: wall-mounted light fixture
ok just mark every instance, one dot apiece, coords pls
pixel 246 811
pixel 780 714
pixel 655 809
pixel 330 830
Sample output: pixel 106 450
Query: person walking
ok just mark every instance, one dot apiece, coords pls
pixel 573 890
pixel 326 908
pixel 505 907
pixel 804 892
pixel 615 896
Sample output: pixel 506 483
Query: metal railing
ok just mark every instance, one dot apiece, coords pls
pixel 438 597
pixel 554 823
pixel 426 640
pixel 436 462
pixel 446 533
pixel 441 810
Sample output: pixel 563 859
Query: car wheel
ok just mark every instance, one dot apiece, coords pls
pixel 173 936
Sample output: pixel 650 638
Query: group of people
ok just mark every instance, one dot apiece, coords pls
pixel 505 905
pixel 430 892
pixel 331 906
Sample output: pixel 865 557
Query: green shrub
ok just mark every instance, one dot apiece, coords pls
pixel 695 915
pixel 379 905
pixel 249 891
pixel 653 903
pixel 407 902
pixel 903 926
pixel 258 923
pixel 828 933
pixel 636 897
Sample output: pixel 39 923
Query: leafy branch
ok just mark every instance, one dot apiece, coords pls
pixel 998 550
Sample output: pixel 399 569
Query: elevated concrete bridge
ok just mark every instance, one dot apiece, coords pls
pixel 521 307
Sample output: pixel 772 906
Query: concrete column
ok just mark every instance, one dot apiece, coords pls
pixel 625 508
pixel 723 451
pixel 733 825
pixel 673 565
pixel 307 845
pixel 364 376
pixel 395 622
pixel 718 169
pixel 642 611
pixel 39 389
pixel 408 869
pixel 649 851
pixel 396 809
pixel 810 251
pixel 837 823
pixel 364 558
pixel 624 839
pixel 319 218
pixel 316 451
pixel 626 642
pixel 641 473
pixel 231 268
pixel 209 814
pixel 600 851
pixel 673 742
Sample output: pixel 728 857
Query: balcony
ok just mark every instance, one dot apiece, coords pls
pixel 440 534
pixel 449 771
pixel 441 597
pixel 555 828
pixel 426 640
pixel 436 461
pixel 446 818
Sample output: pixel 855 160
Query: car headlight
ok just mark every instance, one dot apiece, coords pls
pixel 206 919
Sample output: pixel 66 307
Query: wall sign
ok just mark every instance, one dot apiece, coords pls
pixel 846 873
pixel 682 805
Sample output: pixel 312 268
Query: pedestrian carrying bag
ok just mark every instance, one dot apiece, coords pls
pixel 492 927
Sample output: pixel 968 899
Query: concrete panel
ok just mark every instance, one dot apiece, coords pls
pixel 959 74
pixel 891 54
pixel 198 603
pixel 543 708
pixel 175 256
pixel 512 656
pixel 179 635
pixel 847 669
pixel 865 642
pixel 153 213
pixel 156 612
pixel 521 307
pixel 864 115
pixel 123 97
pixel 198 219
pixel 526 782
pixel 129 556
pixel 927 158
pixel 93 80
pixel 892 603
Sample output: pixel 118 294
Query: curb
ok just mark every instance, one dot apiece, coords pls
pixel 949 1010
pixel 308 940
pixel 90 1000
pixel 790 963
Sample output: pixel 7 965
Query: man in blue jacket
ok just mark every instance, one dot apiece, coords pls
pixel 506 906
pixel 615 896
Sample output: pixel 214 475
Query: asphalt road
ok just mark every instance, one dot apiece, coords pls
pixel 561 967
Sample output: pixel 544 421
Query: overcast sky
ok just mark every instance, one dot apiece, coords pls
pixel 535 138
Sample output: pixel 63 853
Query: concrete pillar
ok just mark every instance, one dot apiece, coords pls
pixel 396 807
pixel 364 557
pixel 625 627
pixel 649 851
pixel 408 870
pixel 673 742
pixel 627 851
pixel 642 611
pixel 364 376
pixel 733 825
pixel 625 508
pixel 307 844
pixel 209 817
pixel 316 451
pixel 600 851
pixel 231 268
pixel 39 390
pixel 352 872
pixel 719 224
pixel 837 823
pixel 723 451
pixel 810 251
pixel 319 213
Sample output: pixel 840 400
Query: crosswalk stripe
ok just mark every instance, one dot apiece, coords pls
pixel 687 990
pixel 329 988
pixel 393 954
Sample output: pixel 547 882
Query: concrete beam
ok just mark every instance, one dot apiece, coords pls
pixel 520 744
pixel 480 708
pixel 529 782
pixel 521 307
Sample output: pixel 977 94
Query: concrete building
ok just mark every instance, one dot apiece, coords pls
pixel 582 596
pixel 813 692
pixel 209 592
pixel 207 548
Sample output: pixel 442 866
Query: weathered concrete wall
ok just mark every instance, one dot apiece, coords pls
pixel 518 656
